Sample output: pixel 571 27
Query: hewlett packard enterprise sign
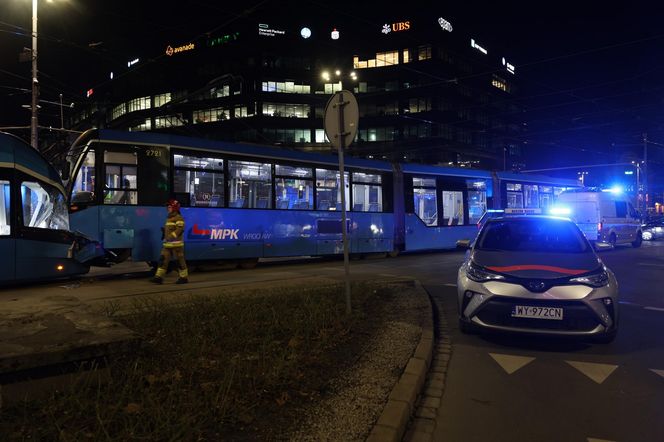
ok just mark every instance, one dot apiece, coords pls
pixel 266 30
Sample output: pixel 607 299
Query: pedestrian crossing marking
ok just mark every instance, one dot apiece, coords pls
pixel 596 372
pixel 659 372
pixel 511 363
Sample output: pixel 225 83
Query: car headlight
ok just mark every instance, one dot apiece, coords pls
pixel 596 279
pixel 480 274
pixel 657 229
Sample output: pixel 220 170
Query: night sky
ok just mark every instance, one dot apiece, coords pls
pixel 591 74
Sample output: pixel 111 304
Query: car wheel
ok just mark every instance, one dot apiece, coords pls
pixel 646 236
pixel 637 242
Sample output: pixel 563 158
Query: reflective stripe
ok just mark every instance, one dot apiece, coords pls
pixel 179 223
pixel 172 244
pixel 170 223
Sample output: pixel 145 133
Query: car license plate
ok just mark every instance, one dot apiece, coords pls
pixel 526 311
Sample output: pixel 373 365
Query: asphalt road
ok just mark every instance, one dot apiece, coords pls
pixel 498 388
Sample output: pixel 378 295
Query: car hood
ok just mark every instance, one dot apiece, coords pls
pixel 536 265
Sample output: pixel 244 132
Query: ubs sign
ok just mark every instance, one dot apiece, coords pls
pixel 396 27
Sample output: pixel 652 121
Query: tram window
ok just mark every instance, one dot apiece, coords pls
pixel 476 200
pixel 425 201
pixel 453 208
pixel 120 184
pixel 83 190
pixel 5 220
pixel 250 184
pixel 44 206
pixel 514 200
pixel 201 179
pixel 367 192
pixel 531 195
pixel 328 193
pixel 293 193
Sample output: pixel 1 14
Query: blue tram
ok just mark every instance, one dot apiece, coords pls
pixel 35 242
pixel 244 202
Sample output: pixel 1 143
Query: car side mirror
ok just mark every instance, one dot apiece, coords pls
pixel 463 244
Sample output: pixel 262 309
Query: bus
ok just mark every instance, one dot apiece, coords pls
pixel 35 241
pixel 243 202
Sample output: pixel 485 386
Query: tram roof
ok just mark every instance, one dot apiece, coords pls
pixel 178 141
pixel 539 179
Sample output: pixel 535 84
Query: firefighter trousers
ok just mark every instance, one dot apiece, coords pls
pixel 168 253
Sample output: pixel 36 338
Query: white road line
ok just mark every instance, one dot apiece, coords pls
pixel 511 363
pixel 630 303
pixel 594 439
pixel 659 372
pixel 596 372
pixel 449 284
pixel 657 309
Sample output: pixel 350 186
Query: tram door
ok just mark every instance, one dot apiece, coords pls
pixel 7 241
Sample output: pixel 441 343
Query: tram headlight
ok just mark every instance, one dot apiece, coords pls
pixel 59 267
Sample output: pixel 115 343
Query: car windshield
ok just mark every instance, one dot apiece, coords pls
pixel 533 235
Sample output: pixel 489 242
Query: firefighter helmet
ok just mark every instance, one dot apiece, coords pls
pixel 173 204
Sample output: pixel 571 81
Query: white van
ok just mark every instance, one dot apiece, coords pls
pixel 604 217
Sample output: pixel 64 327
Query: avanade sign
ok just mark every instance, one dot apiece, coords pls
pixel 171 50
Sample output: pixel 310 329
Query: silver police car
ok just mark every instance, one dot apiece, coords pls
pixel 537 275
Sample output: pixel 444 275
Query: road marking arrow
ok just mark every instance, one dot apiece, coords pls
pixel 596 372
pixel 511 363
pixel 659 372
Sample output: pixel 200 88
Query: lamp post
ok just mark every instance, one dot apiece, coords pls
pixel 34 138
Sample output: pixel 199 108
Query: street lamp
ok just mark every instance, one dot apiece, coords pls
pixel 34 140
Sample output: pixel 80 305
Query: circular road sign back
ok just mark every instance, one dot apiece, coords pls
pixel 341 117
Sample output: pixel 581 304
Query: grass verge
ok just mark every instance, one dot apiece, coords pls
pixel 213 368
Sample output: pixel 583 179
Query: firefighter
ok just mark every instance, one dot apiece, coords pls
pixel 173 246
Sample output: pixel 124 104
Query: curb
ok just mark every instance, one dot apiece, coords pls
pixel 393 420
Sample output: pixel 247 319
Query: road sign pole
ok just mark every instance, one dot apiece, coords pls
pixel 341 117
pixel 344 223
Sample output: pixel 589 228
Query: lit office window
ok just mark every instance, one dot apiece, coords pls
pixel 160 100
pixel 168 121
pixel 210 115
pixel 145 125
pixel 286 110
pixel 288 87
pixel 424 52
pixel 137 104
pixel 118 111
pixel 406 55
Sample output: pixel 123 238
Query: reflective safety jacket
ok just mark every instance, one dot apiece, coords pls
pixel 174 230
